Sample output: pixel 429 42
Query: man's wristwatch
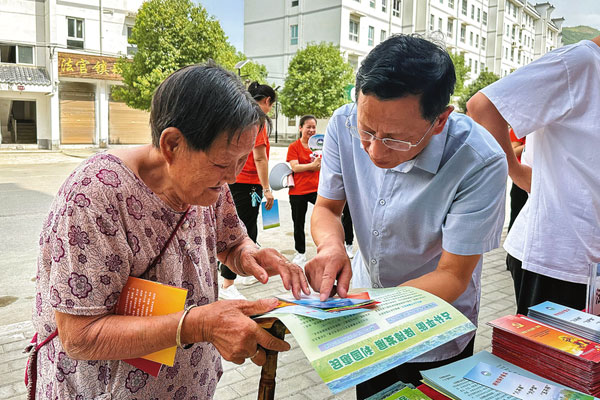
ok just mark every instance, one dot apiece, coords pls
pixel 266 190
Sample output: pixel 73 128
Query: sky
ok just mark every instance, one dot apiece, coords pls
pixel 230 14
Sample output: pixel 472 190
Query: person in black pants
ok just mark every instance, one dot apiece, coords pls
pixel 252 181
pixel 306 167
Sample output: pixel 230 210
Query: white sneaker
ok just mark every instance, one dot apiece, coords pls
pixel 248 280
pixel 231 293
pixel 299 259
pixel 349 251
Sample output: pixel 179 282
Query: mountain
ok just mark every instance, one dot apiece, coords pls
pixel 573 34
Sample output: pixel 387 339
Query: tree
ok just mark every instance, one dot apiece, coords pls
pixel 315 82
pixel 462 72
pixel 484 79
pixel 171 34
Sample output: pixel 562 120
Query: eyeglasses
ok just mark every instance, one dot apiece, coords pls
pixel 394 144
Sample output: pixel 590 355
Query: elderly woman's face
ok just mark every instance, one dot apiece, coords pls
pixel 199 175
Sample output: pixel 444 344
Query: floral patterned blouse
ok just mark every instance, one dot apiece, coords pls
pixel 105 225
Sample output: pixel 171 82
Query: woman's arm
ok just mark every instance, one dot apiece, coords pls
pixel 313 166
pixel 225 324
pixel 262 168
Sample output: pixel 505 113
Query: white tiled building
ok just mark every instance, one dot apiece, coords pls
pixel 57 70
pixel 499 35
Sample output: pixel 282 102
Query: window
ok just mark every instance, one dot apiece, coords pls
pixel 513 32
pixel 396 8
pixel 16 54
pixel 439 24
pixel 131 48
pixel 482 65
pixel 512 55
pixel 75 35
pixel 472 11
pixel 353 33
pixel 294 34
pixel 384 5
pixel 372 3
pixel 484 18
pixel 507 30
pixel 451 3
pixel 441 1
pixel 431 22
pixel 506 52
pixel 470 64
pixel 475 66
pixel 477 41
pixel 382 35
pixel 478 14
pixel 514 8
pixel 463 33
pixel 471 38
pixel 371 37
pixel 464 7
pixel 482 43
pixel 295 3
pixel 450 28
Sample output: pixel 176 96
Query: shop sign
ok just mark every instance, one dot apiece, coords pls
pixel 86 66
pixel 20 87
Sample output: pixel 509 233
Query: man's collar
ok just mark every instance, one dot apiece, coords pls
pixel 429 159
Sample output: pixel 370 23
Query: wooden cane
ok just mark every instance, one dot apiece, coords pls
pixel 266 386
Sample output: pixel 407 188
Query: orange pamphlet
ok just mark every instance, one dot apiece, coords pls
pixel 546 335
pixel 141 297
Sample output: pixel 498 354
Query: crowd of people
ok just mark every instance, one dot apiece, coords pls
pixel 425 187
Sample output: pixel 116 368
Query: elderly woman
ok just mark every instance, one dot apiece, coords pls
pixel 112 218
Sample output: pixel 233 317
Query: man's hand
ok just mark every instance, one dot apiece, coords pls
pixel 226 324
pixel 521 176
pixel 330 264
pixel 265 262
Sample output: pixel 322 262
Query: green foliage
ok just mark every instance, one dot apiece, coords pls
pixel 315 83
pixel 574 34
pixel 169 35
pixel 462 72
pixel 484 79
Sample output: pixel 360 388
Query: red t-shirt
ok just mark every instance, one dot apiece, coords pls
pixel 249 173
pixel 514 138
pixel 307 181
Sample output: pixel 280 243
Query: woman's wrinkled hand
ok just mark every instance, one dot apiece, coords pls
pixel 265 262
pixel 227 325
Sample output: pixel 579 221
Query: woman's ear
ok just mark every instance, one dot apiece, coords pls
pixel 171 143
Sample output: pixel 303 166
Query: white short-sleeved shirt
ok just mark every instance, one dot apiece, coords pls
pixel 555 101
pixel 451 196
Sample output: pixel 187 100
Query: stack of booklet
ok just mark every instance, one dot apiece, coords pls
pixel 555 354
pixel 578 322
pixel 486 376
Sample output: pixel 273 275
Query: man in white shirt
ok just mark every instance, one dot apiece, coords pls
pixel 556 102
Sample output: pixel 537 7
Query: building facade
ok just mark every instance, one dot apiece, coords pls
pixel 497 35
pixel 57 72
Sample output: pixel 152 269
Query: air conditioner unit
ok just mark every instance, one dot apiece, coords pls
pixel 514 44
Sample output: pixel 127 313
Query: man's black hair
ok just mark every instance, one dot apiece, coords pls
pixel 203 102
pixel 406 65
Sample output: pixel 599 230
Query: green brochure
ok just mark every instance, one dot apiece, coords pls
pixel 349 350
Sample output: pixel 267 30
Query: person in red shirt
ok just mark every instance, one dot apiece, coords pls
pixel 254 178
pixel 306 169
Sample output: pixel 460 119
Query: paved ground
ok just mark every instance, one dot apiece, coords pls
pixel 27 183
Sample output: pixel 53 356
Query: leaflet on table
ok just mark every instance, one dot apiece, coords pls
pixel 311 312
pixel 557 339
pixel 519 386
pixel 408 322
pixel 311 306
pixel 314 300
pixel 399 391
pixel 449 379
pixel 562 316
pixel 270 218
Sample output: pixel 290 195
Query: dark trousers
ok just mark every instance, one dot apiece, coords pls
pixel 407 373
pixel 242 197
pixel 299 205
pixel 532 288
pixel 518 198
pixel 347 224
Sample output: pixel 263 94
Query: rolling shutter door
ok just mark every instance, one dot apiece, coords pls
pixel 77 113
pixel 127 125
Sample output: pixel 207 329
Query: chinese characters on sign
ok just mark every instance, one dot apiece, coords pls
pixel 85 66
